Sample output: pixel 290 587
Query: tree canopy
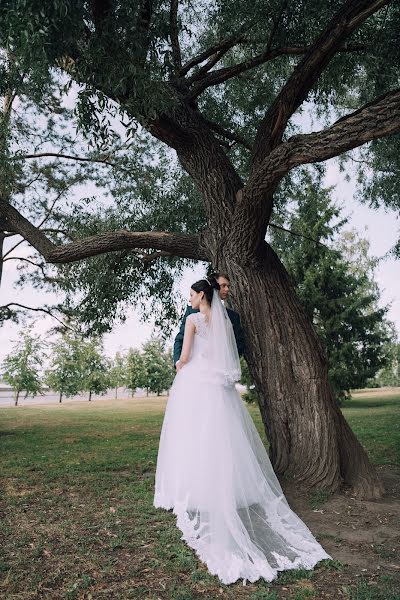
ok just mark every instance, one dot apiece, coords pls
pixel 245 75
pixel 240 72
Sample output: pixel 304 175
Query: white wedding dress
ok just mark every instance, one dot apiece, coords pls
pixel 214 472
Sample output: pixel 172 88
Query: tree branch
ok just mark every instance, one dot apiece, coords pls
pixel 13 247
pixel 276 23
pixel 234 137
pixel 45 218
pixel 376 119
pixel 176 50
pixel 68 156
pixel 6 307
pixel 295 233
pixel 220 75
pixel 224 45
pixel 180 244
pixel 24 228
pixel 41 267
pixel 352 14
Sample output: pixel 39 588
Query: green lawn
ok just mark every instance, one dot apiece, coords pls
pixel 77 486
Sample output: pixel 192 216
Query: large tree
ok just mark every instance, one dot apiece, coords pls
pixel 221 86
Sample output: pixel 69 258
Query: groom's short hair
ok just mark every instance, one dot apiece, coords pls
pixel 217 275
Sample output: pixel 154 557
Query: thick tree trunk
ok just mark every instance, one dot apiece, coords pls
pixel 60 398
pixel 311 442
pixel 90 395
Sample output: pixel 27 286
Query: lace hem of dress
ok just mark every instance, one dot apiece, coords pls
pixel 235 567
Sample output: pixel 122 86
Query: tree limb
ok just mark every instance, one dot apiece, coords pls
pixel 13 247
pixel 220 75
pixel 234 137
pixel 40 226
pixel 6 307
pixel 41 267
pixel 352 14
pixel 224 45
pixel 276 23
pixel 180 244
pixel 176 50
pixel 295 233
pixel 68 156
pixel 376 119
pixel 202 71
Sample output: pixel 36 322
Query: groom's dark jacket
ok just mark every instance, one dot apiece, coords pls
pixel 237 330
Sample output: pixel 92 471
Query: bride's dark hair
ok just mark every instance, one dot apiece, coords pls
pixel 207 286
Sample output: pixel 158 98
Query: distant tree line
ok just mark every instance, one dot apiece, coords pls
pixel 75 365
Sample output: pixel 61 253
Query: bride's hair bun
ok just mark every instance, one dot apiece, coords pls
pixel 213 282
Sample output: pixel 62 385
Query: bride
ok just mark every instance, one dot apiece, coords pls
pixel 212 467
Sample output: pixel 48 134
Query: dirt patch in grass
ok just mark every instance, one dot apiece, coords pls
pixel 365 535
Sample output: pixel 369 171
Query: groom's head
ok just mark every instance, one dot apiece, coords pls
pixel 224 284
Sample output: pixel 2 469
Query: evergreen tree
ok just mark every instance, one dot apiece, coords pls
pixel 22 367
pixel 335 286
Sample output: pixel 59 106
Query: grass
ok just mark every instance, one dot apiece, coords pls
pixel 377 426
pixel 77 514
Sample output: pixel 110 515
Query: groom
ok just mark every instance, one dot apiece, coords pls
pixel 224 284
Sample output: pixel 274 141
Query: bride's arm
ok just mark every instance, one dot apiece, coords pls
pixel 187 343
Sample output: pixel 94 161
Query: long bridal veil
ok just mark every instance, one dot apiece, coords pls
pixel 222 355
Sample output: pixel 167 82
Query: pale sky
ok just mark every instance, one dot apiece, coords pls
pixel 379 227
